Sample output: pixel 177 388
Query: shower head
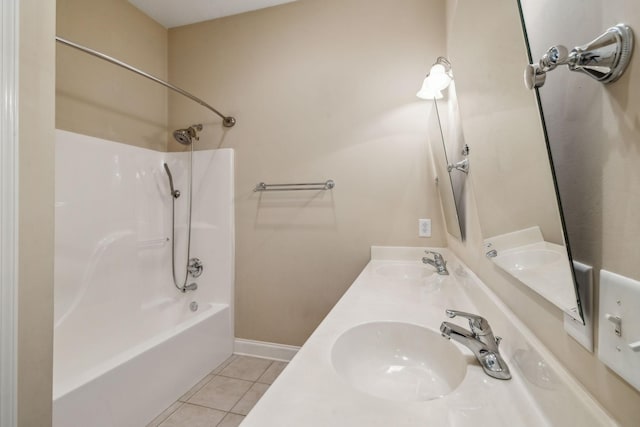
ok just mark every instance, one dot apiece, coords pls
pixel 185 136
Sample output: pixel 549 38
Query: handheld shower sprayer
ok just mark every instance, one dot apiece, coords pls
pixel 194 266
pixel 175 193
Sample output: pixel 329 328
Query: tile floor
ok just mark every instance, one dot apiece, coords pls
pixel 225 396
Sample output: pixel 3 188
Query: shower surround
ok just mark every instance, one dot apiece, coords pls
pixel 127 343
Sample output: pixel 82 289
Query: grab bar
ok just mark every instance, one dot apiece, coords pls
pixel 153 242
pixel 327 185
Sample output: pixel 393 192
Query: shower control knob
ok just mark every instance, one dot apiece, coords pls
pixel 195 267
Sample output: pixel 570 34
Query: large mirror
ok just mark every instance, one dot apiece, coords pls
pixel 448 148
pixel 572 149
pixel 585 127
pixel 510 172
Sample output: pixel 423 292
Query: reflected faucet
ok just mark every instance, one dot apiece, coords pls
pixel 438 262
pixel 480 341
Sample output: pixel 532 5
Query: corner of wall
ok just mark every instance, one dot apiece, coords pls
pixel 36 198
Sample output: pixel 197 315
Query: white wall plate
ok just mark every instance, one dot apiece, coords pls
pixel 620 351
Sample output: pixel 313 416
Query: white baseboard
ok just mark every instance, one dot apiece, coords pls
pixel 265 350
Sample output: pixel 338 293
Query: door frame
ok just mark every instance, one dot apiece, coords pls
pixel 9 89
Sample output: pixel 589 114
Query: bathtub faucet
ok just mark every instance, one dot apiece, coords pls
pixel 480 341
pixel 190 287
pixel 438 262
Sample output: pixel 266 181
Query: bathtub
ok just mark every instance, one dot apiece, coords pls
pixel 127 343
pixel 131 387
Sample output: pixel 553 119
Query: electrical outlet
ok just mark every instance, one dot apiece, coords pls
pixel 424 227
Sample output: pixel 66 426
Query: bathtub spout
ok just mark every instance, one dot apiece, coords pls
pixel 190 287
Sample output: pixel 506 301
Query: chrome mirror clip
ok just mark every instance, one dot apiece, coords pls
pixel 604 59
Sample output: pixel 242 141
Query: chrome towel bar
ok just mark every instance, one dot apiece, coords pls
pixel 327 185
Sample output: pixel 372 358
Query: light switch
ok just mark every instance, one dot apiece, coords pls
pixel 619 326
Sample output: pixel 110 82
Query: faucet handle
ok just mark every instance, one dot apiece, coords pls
pixel 478 324
pixel 435 254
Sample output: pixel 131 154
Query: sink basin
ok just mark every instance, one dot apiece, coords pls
pixel 528 259
pixel 405 271
pixel 398 361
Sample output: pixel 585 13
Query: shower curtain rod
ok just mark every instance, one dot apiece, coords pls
pixel 227 121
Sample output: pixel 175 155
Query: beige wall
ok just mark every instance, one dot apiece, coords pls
pixel 35 257
pixel 614 220
pixel 96 98
pixel 321 89
pixel 621 154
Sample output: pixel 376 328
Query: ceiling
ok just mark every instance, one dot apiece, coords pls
pixel 174 13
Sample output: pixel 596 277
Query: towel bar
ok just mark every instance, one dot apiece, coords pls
pixel 327 185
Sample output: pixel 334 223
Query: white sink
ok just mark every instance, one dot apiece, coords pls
pixel 520 260
pixel 405 271
pixel 398 361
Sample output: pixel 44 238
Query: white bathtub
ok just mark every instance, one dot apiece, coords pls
pixel 130 388
pixel 126 342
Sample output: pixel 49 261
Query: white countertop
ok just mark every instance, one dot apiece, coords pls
pixel 310 392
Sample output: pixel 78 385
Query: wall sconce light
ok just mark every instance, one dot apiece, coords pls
pixel 438 79
pixel 426 92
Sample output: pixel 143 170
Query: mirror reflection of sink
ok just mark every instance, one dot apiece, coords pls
pixel 405 271
pixel 398 361
pixel 528 259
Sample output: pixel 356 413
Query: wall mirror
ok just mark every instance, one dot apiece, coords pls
pixel 576 156
pixel 510 172
pixel 581 117
pixel 448 148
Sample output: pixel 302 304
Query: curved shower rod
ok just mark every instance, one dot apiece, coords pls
pixel 227 121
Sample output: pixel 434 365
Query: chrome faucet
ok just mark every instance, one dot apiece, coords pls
pixel 480 341
pixel 438 262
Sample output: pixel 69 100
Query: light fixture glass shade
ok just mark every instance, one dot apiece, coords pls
pixel 439 78
pixel 427 92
